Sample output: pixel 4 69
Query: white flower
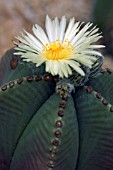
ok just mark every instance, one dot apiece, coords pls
pixel 61 48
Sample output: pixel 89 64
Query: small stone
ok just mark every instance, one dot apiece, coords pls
pixel 98 95
pixel 111 109
pixel 38 78
pixel 58 134
pixel 4 88
pixel 59 123
pixel 89 89
pixel 19 81
pixel 105 102
pixel 55 142
pixel 29 79
pixel 11 84
pixel 61 113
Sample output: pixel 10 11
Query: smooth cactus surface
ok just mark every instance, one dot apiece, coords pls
pixel 39 130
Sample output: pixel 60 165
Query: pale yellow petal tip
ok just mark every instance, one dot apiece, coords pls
pixel 47 17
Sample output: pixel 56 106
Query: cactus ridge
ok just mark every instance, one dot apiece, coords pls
pixel 48 148
pixel 11 84
pixel 57 134
pixel 98 96
pixel 95 122
pixel 18 104
pixel 103 84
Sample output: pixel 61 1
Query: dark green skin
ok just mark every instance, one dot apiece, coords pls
pixel 35 136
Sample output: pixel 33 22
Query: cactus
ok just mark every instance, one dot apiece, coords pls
pixel 39 130
pixel 55 103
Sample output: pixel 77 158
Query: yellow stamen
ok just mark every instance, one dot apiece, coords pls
pixel 58 51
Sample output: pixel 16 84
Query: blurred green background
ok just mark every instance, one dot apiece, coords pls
pixel 16 15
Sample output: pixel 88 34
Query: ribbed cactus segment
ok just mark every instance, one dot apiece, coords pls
pixel 19 101
pixel 104 84
pixel 50 140
pixel 95 121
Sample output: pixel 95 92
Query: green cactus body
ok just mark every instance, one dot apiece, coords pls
pixel 39 130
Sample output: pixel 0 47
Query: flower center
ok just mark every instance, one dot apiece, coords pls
pixel 58 51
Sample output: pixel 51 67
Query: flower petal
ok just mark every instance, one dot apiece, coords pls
pixel 91 52
pixel 81 33
pixel 49 28
pixel 62 28
pixel 26 48
pixel 63 68
pixel 40 34
pixel 32 43
pixel 39 63
pixel 74 31
pixel 75 67
pixel 56 29
pixel 34 40
pixel 70 26
pixel 96 46
pixel 87 60
pixel 56 67
pixel 68 69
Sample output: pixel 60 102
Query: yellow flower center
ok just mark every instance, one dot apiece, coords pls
pixel 58 51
